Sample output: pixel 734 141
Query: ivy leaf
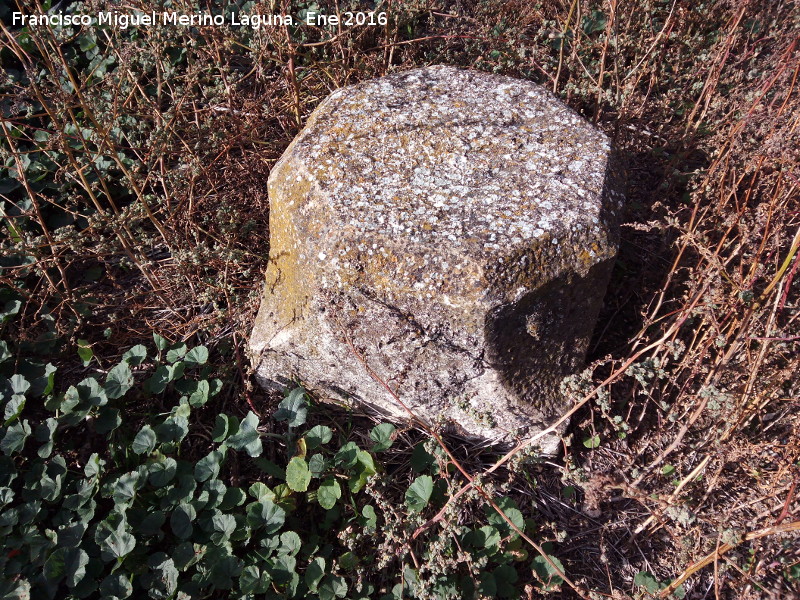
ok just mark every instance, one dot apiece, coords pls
pixel 208 466
pixel 123 488
pixel 13 409
pixel 19 385
pixel 382 436
pixel 317 436
pixel 136 355
pixel 119 381
pixel 145 441
pixel 317 465
pixel 223 526
pixel 592 442
pixel 165 576
pixel 647 581
pixel 329 493
pixel 314 573
pixel 222 427
pixel 116 585
pixel 332 587
pixel 196 356
pixel 548 577
pixel 75 561
pixel 85 352
pixel 365 469
pixel 116 542
pixel 293 409
pixel 247 438
pixel 14 439
pixel 253 581
pixel 266 514
pixel 261 491
pixel 200 396
pixel 181 520
pixel 297 474
pixel 347 456
pixel 162 471
pixel 107 420
pixel 419 493
pixel 176 353
pixel 161 343
pixel 511 510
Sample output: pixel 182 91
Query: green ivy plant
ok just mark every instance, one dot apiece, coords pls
pixel 103 496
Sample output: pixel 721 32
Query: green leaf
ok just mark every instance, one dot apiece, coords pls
pixel 145 441
pixel 290 543
pixel 247 438
pixel 297 474
pixel 159 380
pixel 123 488
pixel 13 409
pixel 94 466
pixel 317 436
pixel 92 393
pixel 332 587
pixel 317 465
pixel 116 585
pixel 421 459
pixel 233 498
pixel 511 510
pixel 223 526
pixel 161 343
pixel 107 420
pixel 196 356
pixel 260 491
pixel 164 574
pixel 221 428
pixel 85 352
pixel 161 472
pixel 548 577
pixel 208 466
pixel 200 396
pixel 329 493
pixel 365 469
pixel 419 493
pixel 136 355
pixel 265 514
pixel 253 581
pixel 314 573
pixel 647 581
pixel 19 385
pixel 505 576
pixel 369 519
pixel 347 456
pixel 592 442
pixel 293 409
pixel 176 353
pixel 181 520
pixel 75 561
pixel 382 435
pixel 119 381
pixel 14 439
pixel 115 542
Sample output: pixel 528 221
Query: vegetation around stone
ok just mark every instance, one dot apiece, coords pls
pixel 137 457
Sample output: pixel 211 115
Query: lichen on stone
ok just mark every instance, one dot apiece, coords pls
pixel 436 218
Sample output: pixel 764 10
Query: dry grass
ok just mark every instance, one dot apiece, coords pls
pixel 694 379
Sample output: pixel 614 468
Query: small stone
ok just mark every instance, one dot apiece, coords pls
pixel 456 230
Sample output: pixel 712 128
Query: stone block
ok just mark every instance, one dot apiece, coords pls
pixel 457 229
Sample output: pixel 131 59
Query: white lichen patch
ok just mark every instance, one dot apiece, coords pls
pixel 440 197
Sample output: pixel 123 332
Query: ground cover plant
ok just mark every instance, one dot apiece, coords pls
pixel 133 202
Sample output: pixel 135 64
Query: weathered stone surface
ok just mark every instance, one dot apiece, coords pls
pixel 457 227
